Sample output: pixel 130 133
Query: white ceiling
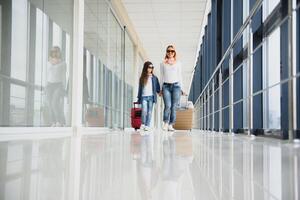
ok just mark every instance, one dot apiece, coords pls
pixel 163 22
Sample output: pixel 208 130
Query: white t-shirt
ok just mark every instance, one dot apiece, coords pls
pixel 171 73
pixel 56 73
pixel 147 91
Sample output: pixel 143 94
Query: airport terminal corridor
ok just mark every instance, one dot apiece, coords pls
pixel 149 99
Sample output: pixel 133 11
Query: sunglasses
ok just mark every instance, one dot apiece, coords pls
pixel 170 51
pixel 151 67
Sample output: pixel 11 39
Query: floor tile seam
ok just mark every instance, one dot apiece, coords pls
pixel 248 138
pixel 211 186
pixel 214 186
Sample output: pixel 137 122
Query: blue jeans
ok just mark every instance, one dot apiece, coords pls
pixel 171 96
pixel 55 102
pixel 147 106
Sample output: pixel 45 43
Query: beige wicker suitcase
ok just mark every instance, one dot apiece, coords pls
pixel 184 119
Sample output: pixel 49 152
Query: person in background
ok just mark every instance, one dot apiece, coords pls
pixel 55 87
pixel 171 79
pixel 147 93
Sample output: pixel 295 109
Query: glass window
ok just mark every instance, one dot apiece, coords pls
pixel 298 71
pixel 102 40
pixel 217 107
pixel 238 84
pixel 246 7
pixel 109 94
pixel 17 106
pixel 257 27
pixel 129 69
pixel 115 58
pixel 273 53
pixel 19 39
pixel 271 4
pixel 0 34
pixel 1 101
pixel 37 120
pixel 245 95
pixel 252 3
pixel 217 117
pixel 237 15
pixel 36 56
pixel 238 116
pixel 57 35
pixel 39 42
pixel 267 8
pixel 88 72
pixel 214 24
pixel 238 95
pixel 257 70
pixel 95 80
pixel 225 93
pixel 109 49
pixel 274 111
pixel 225 119
pixel 226 36
pixel 275 66
pixel 257 113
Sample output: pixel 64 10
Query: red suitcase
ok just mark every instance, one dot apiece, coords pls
pixel 136 116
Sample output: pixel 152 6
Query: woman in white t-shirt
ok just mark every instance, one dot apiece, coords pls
pixel 171 80
pixel 55 87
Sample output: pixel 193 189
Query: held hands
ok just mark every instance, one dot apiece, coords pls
pixel 160 93
pixel 183 93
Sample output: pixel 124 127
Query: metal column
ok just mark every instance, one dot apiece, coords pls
pixel 250 80
pixel 213 105
pixel 220 100
pixel 291 70
pixel 231 92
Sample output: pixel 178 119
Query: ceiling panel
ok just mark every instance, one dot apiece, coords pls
pixel 159 23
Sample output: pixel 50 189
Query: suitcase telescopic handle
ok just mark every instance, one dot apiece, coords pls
pixel 135 103
pixel 186 99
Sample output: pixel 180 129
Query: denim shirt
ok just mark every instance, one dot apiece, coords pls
pixel 155 89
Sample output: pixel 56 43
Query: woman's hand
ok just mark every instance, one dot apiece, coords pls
pixel 183 93
pixel 160 93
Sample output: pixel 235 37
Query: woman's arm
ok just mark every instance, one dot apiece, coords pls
pixel 139 93
pixel 180 79
pixel 180 75
pixel 161 75
pixel 157 85
pixel 64 74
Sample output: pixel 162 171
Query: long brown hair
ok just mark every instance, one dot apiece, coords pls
pixel 173 47
pixel 144 75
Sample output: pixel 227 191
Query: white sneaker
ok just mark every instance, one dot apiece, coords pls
pixel 147 128
pixel 142 127
pixel 170 128
pixel 142 133
pixel 165 126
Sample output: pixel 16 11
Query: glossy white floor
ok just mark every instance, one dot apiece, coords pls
pixel 131 166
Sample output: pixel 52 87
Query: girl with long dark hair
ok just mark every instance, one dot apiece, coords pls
pixel 147 93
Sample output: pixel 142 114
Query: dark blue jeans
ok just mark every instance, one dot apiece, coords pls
pixel 55 103
pixel 171 96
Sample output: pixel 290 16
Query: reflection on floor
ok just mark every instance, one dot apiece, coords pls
pixel 157 165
